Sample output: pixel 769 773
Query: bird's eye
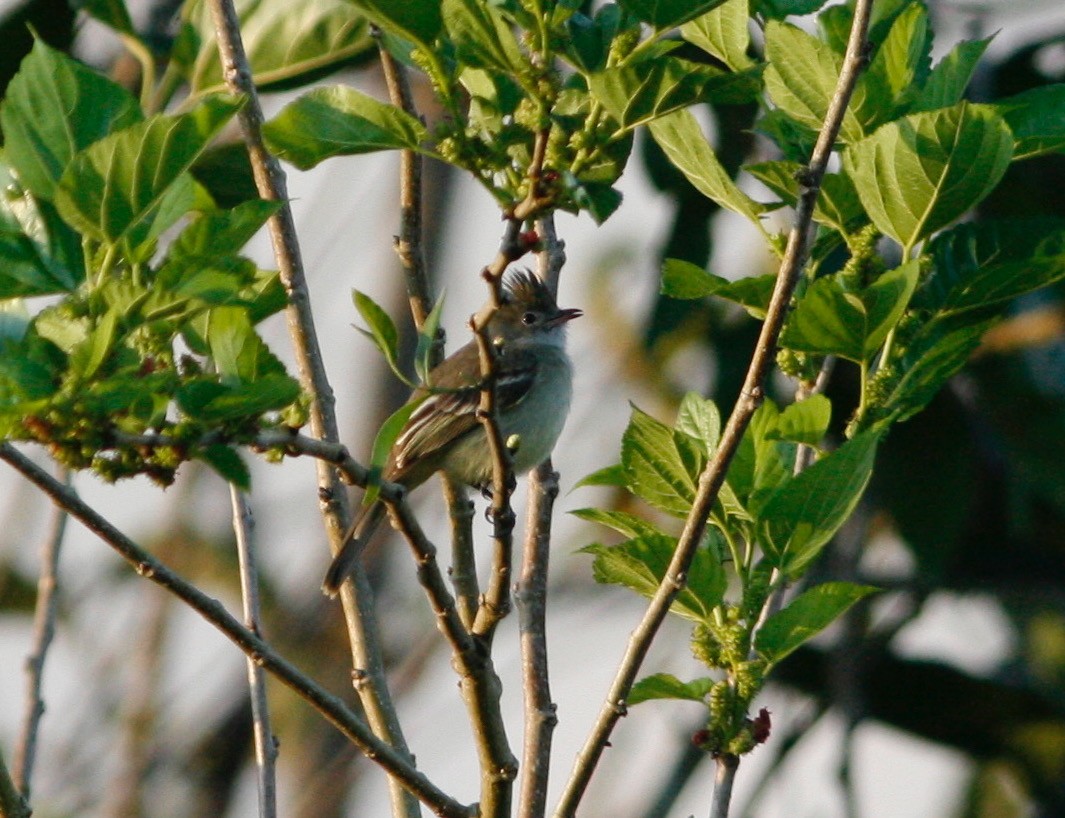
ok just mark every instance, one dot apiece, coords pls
pixel 528 319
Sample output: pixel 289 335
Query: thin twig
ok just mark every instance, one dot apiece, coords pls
pixel 356 596
pixel 12 804
pixel 397 764
pixel 531 598
pixel 265 743
pixel 463 571
pixel 713 476
pixel 44 617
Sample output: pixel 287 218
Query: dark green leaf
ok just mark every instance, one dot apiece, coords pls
pixel 986 263
pixel 916 175
pixel 222 232
pixel 228 464
pixel 599 200
pixel 752 293
pixel 680 137
pixel 419 21
pixel 666 14
pixel 26 271
pixel 212 401
pixel 1037 119
pixel 131 186
pixel 666 686
pixel 779 9
pixel 382 445
pixel 426 339
pixel 806 616
pixel 339 121
pixel 54 108
pixel 801 516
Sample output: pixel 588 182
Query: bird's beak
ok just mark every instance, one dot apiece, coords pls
pixel 562 316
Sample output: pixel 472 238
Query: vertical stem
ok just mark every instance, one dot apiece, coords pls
pixel 358 603
pixel 265 744
pixel 44 616
pixel 531 598
pixel 12 804
pixel 726 766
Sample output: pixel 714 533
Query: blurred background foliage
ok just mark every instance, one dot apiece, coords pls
pixel 970 494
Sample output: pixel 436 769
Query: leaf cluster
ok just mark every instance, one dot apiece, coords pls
pixel 110 342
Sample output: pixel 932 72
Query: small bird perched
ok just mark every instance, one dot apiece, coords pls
pixel 532 390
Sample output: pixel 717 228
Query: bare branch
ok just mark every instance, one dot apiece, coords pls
pixel 531 598
pixel 12 804
pixel 265 742
pixel 751 395
pixel 397 764
pixel 44 616
pixel 356 596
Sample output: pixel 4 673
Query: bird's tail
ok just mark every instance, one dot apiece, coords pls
pixel 358 535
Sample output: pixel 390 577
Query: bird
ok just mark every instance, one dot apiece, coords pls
pixel 533 389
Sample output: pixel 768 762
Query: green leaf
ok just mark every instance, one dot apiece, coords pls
pixel 222 232
pixel 831 320
pixel 382 445
pixel 666 14
pixel 88 356
pixel 111 13
pixel 806 616
pixel 699 418
pixel 637 93
pixel 426 340
pixel 131 186
pixel 680 137
pixel 599 200
pixel 54 108
pixel 629 525
pixel 987 263
pixel 837 206
pixel 752 293
pixel 653 466
pixel 227 462
pixel 947 82
pixel 801 516
pixel 339 121
pixel 938 352
pixel 801 79
pixel 382 330
pixel 211 401
pixel 684 280
pixel 641 563
pixel 902 62
pixel 233 344
pixel 419 21
pixel 667 686
pixel 804 422
pixel 1037 119
pixel 918 174
pixel 779 9
pixel 287 44
pixel 723 32
pixel 482 37
pixel 25 270
pixel 606 476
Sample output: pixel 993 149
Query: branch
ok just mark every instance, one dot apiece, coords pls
pixel 44 617
pixel 531 597
pixel 751 395
pixel 356 597
pixel 265 742
pixel 396 763
pixel 12 804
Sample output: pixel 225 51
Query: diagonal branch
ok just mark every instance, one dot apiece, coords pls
pixel 335 711
pixel 44 617
pixel 751 395
pixel 271 184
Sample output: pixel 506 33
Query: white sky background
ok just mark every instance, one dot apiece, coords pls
pixel 346 214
